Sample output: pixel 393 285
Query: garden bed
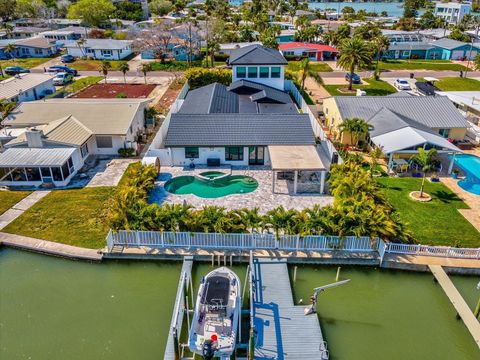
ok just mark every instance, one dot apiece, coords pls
pixel 110 91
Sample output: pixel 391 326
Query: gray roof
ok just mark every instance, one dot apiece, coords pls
pixel 256 55
pixel 239 130
pixel 447 43
pixel 23 82
pixel 261 92
pixel 35 156
pixel 385 121
pixel 410 46
pixel 212 98
pixel 101 44
pixel 432 111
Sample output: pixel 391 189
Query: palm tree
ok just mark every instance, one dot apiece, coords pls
pixel 6 107
pixel 10 49
pixel 281 220
pixel 380 43
pixel 104 67
pixel 356 127
pixel 307 71
pixel 124 68
pixel 145 68
pixel 251 219
pixel 354 53
pixel 80 43
pixel 425 160
pixel 212 219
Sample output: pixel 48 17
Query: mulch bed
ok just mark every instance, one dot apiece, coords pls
pixel 167 100
pixel 109 91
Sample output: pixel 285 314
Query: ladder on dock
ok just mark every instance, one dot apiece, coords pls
pixel 463 310
pixel 282 331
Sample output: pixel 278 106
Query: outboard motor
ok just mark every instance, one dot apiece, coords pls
pixel 208 350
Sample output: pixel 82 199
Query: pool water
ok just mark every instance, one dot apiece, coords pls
pixel 470 164
pixel 217 185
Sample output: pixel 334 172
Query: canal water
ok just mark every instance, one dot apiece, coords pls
pixel 392 8
pixel 58 309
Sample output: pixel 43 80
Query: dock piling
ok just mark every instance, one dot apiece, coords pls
pixel 295 274
pixel 338 273
pixel 213 260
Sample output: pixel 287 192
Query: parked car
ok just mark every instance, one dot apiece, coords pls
pixel 402 84
pixel 62 78
pixel 355 78
pixel 60 68
pixel 14 70
pixel 67 59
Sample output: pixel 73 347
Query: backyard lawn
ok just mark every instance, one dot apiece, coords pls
pixel 314 66
pixel 10 198
pixel 438 65
pixel 436 222
pixel 372 87
pixel 457 84
pixel 67 216
pixel 25 63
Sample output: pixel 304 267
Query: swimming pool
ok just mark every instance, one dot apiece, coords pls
pixel 211 184
pixel 470 164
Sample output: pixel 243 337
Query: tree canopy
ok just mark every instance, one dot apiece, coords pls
pixel 92 12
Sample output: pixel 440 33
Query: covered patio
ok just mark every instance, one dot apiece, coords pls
pixel 297 159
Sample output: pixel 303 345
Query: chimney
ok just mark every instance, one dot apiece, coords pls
pixel 34 138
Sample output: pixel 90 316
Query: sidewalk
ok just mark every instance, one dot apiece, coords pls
pixel 19 208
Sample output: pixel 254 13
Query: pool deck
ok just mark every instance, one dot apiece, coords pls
pixel 263 198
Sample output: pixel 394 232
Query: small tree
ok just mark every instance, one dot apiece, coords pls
pixel 10 49
pixel 145 68
pixel 124 68
pixel 356 127
pixel 6 107
pixel 354 53
pixel 105 66
pixel 426 161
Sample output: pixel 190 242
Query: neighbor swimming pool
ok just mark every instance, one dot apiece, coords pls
pixel 470 164
pixel 211 184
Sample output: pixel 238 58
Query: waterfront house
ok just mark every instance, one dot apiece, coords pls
pixel 100 49
pixel 452 12
pixel 314 52
pixel 26 87
pixel 57 135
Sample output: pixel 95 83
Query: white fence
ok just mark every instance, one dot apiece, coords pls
pixel 317 129
pixel 157 239
pixel 426 250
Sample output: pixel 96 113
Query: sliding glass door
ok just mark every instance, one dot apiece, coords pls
pixel 256 155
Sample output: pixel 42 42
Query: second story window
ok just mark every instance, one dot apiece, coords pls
pixel 252 72
pixel 264 71
pixel 275 72
pixel 241 72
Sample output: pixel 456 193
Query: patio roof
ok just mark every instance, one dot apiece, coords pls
pixel 304 157
pixel 408 137
pixel 30 157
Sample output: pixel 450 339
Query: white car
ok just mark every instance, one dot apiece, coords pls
pixel 402 84
pixel 62 79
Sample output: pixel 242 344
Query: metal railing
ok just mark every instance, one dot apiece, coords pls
pixel 158 239
pixel 426 250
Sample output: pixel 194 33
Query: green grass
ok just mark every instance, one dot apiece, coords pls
pixel 374 88
pixel 25 63
pixel 420 65
pixel 77 85
pixel 457 84
pixel 433 223
pixel 67 216
pixel 10 198
pixel 315 66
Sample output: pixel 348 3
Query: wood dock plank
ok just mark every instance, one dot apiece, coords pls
pixel 463 310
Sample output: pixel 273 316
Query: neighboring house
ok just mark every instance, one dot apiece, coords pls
pixel 227 48
pixel 60 36
pixel 26 87
pixel 401 124
pixel 23 32
pixel 258 64
pixel 286 36
pixel 283 25
pixel 31 47
pixel 101 49
pixel 452 12
pixel 181 52
pixel 315 52
pixel 65 23
pixel 61 133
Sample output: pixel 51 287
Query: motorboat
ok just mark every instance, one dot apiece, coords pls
pixel 214 326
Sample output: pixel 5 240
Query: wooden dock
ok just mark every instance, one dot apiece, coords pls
pixel 282 329
pixel 463 310
pixel 178 309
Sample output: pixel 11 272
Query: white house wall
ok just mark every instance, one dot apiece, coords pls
pixel 179 159
pixel 277 83
pixel 40 90
pixel 116 55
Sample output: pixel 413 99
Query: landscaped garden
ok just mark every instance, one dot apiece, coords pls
pixel 420 64
pixel 372 87
pixel 436 222
pixel 10 198
pixel 26 63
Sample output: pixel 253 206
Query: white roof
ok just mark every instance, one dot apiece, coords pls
pixel 409 137
pixel 237 45
pixel 468 98
pixel 18 84
pixel 18 157
pixel 100 116
pixel 101 44
pixel 11 133
pixel 295 157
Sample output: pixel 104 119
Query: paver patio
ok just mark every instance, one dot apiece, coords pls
pixel 262 197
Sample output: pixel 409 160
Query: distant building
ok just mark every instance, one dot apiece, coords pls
pixel 101 49
pixel 315 52
pixel 452 12
pixel 26 87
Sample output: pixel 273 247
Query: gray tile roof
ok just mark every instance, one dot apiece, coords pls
pixel 212 98
pixel 260 92
pixel 447 43
pixel 256 55
pixel 431 111
pixel 239 130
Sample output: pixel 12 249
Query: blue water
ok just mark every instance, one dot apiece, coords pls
pixel 392 8
pixel 470 165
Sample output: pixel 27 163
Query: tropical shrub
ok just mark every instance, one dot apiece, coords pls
pixel 198 77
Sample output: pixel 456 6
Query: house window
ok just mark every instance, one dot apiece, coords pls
pixel 107 52
pixel 84 150
pixel 70 164
pixel 444 133
pixel 234 153
pixel 89 51
pixel 46 172
pixel 38 51
pixel 275 72
pixel 65 170
pixel 18 174
pixel 252 72
pixel 241 72
pixel 104 142
pixel 33 174
pixel 57 174
pixel 191 153
pixel 406 53
pixel 264 72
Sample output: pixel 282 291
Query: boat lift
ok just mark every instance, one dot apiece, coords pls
pixel 313 307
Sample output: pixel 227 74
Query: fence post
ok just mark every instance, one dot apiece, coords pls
pixel 298 241
pixel 137 237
